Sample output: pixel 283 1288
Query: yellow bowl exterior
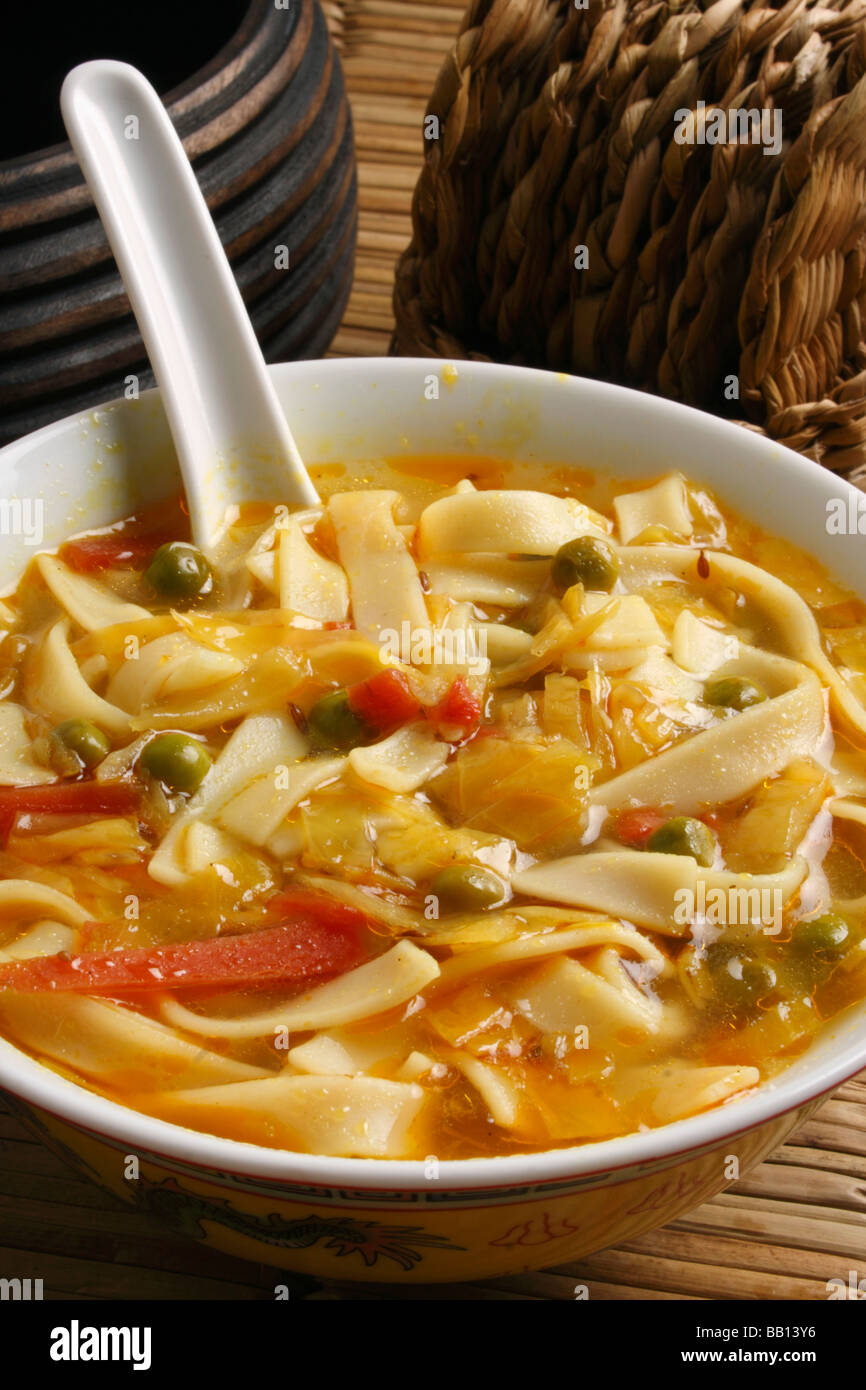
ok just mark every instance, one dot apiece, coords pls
pixel 410 1237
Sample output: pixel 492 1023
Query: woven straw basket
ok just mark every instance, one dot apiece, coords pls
pixel 713 272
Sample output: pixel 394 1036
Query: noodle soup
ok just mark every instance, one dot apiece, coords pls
pixel 455 816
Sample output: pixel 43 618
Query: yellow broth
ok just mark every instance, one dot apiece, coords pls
pixel 517 1041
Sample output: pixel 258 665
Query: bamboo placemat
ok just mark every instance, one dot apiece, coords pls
pixel 391 52
pixel 782 1232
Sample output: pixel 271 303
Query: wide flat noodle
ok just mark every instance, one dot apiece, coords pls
pixel 90 605
pixel 498 1091
pixel 23 898
pixel 678 1089
pixel 562 995
pixel 309 583
pixel 55 687
pixel 628 625
pixel 665 504
pixel 496 579
pixel 532 947
pixel 18 766
pixel 170 665
pixel 343 1116
pixel 728 759
pixel 344 1053
pixel 789 614
pixel 257 746
pixel 368 990
pixel 257 812
pixel 402 762
pixel 699 647
pixel 383 578
pixel 642 887
pixel 504 522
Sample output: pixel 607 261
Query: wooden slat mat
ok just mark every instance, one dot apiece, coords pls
pixel 391 52
pixel 795 1222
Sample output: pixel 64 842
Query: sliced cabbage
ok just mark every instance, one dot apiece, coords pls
pixel 109 840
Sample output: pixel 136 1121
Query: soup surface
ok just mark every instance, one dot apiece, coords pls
pixel 462 815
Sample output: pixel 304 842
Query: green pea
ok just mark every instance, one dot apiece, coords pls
pixel 684 835
pixel 739 979
pixel 179 570
pixel 828 933
pixel 588 561
pixel 77 744
pixel 178 761
pixel 334 724
pixel 734 692
pixel 468 888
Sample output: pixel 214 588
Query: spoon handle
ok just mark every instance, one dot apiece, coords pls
pixel 232 439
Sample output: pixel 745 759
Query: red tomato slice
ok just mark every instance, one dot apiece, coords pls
pixel 383 701
pixel 71 798
pixel 457 709
pixel 112 551
pixel 66 799
pixel 635 827
pixel 301 904
pixel 287 954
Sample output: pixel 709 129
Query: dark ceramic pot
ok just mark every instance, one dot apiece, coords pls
pixel 267 126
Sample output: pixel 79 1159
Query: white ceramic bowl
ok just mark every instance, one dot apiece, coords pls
pixel 363 1218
